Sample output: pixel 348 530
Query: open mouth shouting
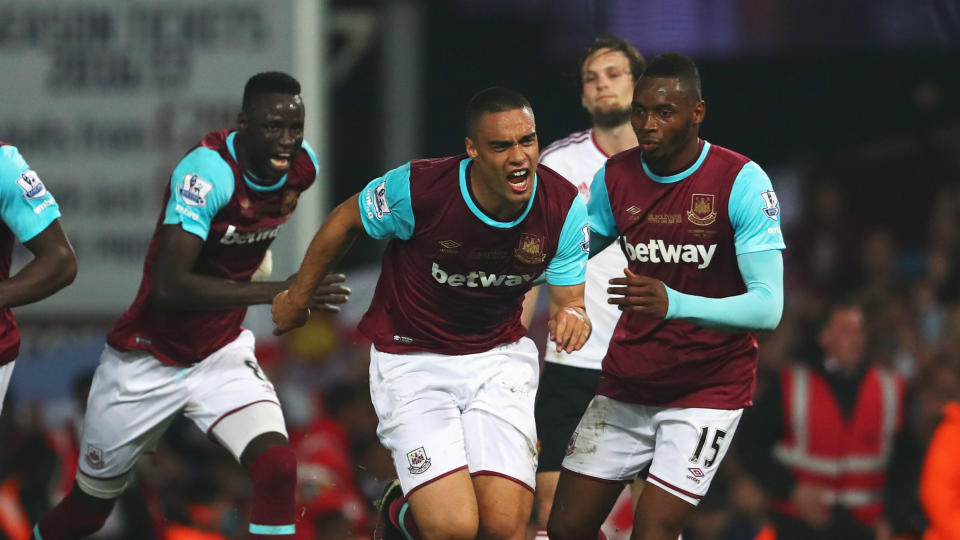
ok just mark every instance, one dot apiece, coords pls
pixel 519 180
pixel 280 162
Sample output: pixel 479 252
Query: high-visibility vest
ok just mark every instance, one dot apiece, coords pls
pixel 847 457
pixel 940 479
pixel 768 532
pixel 176 531
pixel 65 442
pixel 13 518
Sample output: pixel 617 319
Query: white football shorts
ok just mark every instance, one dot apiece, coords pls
pixel 6 372
pixel 441 413
pixel 135 397
pixel 682 447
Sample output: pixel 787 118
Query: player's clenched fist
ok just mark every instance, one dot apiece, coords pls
pixel 640 294
pixel 569 328
pixel 288 314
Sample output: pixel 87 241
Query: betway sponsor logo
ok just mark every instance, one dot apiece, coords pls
pixel 478 278
pixel 232 237
pixel 655 251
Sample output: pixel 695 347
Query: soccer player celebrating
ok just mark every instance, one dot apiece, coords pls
pixel 452 377
pixel 29 214
pixel 180 346
pixel 700 227
pixel 608 69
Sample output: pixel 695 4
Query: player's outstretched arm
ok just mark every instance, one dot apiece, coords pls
pixel 569 324
pixel 54 266
pixel 759 308
pixel 175 284
pixel 290 307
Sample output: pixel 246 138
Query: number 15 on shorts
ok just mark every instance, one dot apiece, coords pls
pixel 716 437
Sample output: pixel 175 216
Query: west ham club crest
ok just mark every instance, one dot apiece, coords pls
pixel 419 462
pixel 530 250
pixel 94 457
pixel 702 211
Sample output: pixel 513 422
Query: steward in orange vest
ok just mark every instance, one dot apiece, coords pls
pixel 940 482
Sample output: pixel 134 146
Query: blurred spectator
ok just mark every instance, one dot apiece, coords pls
pixel 819 441
pixel 202 509
pixel 825 238
pixel 14 522
pixel 934 387
pixel 47 465
pixel 329 499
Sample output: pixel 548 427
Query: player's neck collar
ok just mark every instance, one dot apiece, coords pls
pixel 467 198
pixel 596 144
pixel 704 150
pixel 248 177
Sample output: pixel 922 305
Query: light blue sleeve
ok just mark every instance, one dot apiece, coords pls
pixel 25 204
pixel 385 207
pixel 754 212
pixel 759 308
pixel 201 184
pixel 601 215
pixel 569 265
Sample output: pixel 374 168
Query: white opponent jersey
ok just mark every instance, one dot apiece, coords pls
pixel 577 158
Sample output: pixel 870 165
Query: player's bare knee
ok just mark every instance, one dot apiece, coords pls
pixel 556 534
pixel 658 527
pixel 446 522
pixel 559 528
pixel 502 528
pixel 456 526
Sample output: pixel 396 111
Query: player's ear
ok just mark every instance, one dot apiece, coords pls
pixel 471 148
pixel 241 121
pixel 699 111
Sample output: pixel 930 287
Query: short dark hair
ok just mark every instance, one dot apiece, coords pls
pixel 676 66
pixel 492 100
pixel 269 82
pixel 616 44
